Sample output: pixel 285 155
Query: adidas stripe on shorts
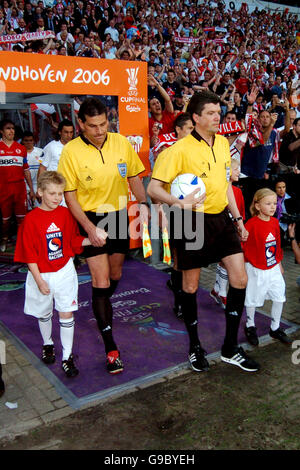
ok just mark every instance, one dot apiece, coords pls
pixel 264 284
pixel 63 286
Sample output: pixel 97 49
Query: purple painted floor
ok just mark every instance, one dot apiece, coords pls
pixel 146 331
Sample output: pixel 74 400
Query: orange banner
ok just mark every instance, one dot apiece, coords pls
pixel 45 74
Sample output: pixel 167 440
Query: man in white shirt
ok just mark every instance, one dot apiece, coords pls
pixel 69 38
pixel 53 150
pixel 112 31
pixel 34 158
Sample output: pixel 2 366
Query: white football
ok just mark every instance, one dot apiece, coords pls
pixel 185 184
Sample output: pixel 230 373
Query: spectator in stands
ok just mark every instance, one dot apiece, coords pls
pixel 28 14
pixel 159 117
pixel 86 50
pixel 51 22
pixel 63 42
pixel 79 42
pixel 64 34
pixel 78 12
pixel 38 25
pixel 109 49
pixel 21 27
pixel 114 33
pixel 257 161
pixel 225 82
pixel 192 83
pixel 103 25
pixel 170 85
pixel 84 27
pixel 239 106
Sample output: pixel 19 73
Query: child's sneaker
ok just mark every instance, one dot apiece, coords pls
pixel 251 335
pixel 218 298
pixel 280 335
pixel 69 367
pixel 114 364
pixel 48 355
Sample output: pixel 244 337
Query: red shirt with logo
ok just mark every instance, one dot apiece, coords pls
pixel 263 247
pixel 48 238
pixel 13 162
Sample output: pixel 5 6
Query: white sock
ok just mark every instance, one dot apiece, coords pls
pixel 45 325
pixel 221 281
pixel 250 311
pixel 66 336
pixel 276 312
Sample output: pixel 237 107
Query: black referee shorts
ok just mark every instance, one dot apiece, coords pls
pixel 116 225
pixel 215 237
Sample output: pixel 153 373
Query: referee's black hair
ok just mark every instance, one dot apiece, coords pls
pixel 91 107
pixel 199 100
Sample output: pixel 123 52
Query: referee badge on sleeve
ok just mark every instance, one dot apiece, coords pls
pixel 227 173
pixel 122 167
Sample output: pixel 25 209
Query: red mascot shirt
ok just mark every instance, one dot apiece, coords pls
pixel 48 238
pixel 263 248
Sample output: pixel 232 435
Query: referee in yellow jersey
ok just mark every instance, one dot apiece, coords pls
pixel 206 154
pixel 98 165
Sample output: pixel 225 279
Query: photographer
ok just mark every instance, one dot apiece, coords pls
pixel 86 49
pixel 281 209
pixel 289 152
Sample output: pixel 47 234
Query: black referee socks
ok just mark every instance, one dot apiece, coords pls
pixel 176 279
pixel 233 312
pixel 103 313
pixel 190 316
pixel 113 286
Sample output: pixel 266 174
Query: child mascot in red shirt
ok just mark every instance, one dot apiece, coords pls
pixel 47 241
pixel 263 256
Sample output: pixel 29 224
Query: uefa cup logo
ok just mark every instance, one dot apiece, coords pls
pixel 132 78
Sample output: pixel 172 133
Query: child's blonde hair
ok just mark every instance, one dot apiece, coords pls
pixel 50 177
pixel 258 196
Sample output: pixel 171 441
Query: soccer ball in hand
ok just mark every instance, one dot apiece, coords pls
pixel 185 184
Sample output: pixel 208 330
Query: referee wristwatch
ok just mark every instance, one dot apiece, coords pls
pixel 292 238
pixel 145 203
pixel 236 219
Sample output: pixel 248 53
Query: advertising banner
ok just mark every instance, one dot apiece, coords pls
pixel 55 75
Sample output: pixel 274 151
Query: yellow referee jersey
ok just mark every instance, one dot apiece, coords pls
pixel 193 155
pixel 100 176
